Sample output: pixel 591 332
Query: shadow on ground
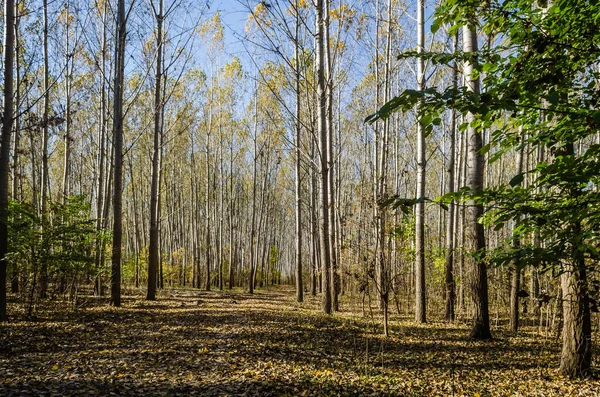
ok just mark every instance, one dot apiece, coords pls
pixel 215 344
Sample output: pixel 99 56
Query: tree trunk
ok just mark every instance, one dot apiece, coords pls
pixel 154 231
pixel 450 238
pixel 576 354
pixel 99 255
pixel 121 31
pixel 322 133
pixel 516 265
pixel 299 283
pixel 7 123
pixel 420 303
pixel 68 77
pixel 474 232
pixel 334 277
pixel 17 120
pixel 253 217
pixel 45 176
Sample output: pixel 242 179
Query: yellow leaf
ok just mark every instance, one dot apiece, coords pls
pixel 54 367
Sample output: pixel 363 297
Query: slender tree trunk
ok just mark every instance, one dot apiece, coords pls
pixel 313 223
pixel 253 216
pixel 68 78
pixel 231 212
pixel 221 206
pixel 299 282
pixel 207 225
pixel 154 231
pixel 516 266
pixel 7 124
pixel 16 187
pixel 420 303
pixel 45 176
pixel 334 278
pixel 99 254
pixel 137 241
pixel 161 178
pixel 475 239
pixel 322 133
pixel 450 238
pixel 121 32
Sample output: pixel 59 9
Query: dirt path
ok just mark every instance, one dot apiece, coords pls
pixel 218 344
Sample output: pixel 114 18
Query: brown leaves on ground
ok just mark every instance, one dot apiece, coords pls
pixel 220 344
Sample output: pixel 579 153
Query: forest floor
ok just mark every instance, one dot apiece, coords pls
pixel 232 343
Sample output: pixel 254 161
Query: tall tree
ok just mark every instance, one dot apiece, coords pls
pixel 334 278
pixel 450 235
pixel 475 240
pixel 101 198
pixel 420 304
pixel 118 116
pixel 298 166
pixel 45 167
pixel 69 64
pixel 516 266
pixel 7 124
pixel 322 132
pixel 16 177
pixel 154 189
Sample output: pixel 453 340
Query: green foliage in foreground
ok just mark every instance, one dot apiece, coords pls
pixel 540 80
pixel 540 75
pixel 64 241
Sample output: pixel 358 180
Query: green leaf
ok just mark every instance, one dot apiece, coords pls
pixel 516 180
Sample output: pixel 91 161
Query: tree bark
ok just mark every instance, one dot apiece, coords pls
pixel 576 357
pixel 45 176
pixel 516 266
pixel 99 254
pixel 299 281
pixel 450 238
pixel 474 232
pixel 68 78
pixel 121 32
pixel 420 296
pixel 16 187
pixel 323 146
pixel 154 188
pixel 7 124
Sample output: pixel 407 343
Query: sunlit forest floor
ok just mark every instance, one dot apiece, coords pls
pixel 232 343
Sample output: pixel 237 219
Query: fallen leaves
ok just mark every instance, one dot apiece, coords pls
pixel 264 345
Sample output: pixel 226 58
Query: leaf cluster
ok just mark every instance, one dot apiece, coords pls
pixel 62 238
pixel 541 93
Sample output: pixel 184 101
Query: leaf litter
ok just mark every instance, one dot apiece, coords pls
pixel 197 343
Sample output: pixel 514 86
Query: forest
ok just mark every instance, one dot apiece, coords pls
pixel 299 197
